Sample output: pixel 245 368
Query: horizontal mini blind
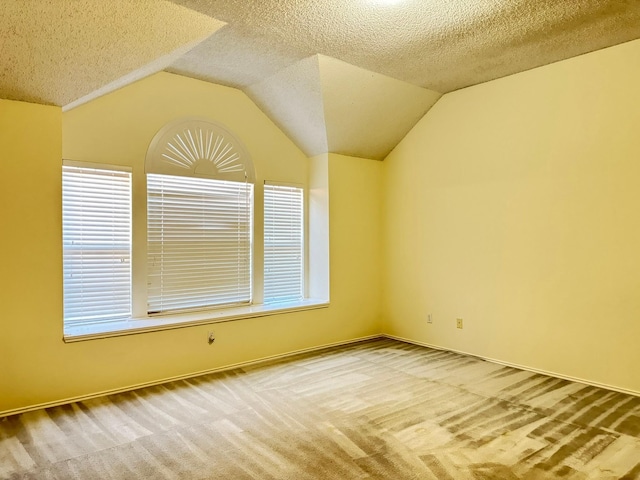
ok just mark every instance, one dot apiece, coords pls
pixel 283 244
pixel 96 237
pixel 199 242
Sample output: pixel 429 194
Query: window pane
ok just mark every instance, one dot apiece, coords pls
pixel 199 242
pixel 96 237
pixel 283 244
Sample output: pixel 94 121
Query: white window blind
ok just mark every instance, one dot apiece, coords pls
pixel 199 242
pixel 96 235
pixel 283 244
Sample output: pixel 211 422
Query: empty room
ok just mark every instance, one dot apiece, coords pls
pixel 337 239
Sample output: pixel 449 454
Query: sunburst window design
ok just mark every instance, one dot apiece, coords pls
pixel 200 148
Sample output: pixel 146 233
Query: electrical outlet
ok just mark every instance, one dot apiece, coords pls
pixel 429 318
pixel 211 337
pixel 459 322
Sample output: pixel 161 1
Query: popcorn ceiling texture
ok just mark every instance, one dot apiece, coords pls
pixel 329 105
pixel 439 45
pixel 442 45
pixel 237 59
pixel 367 113
pixel 293 100
pixel 321 69
pixel 56 51
pixel 150 68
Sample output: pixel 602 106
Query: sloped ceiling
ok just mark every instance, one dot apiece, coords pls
pixel 367 113
pixel 293 99
pixel 330 105
pixel 57 51
pixel 348 76
pixel 442 45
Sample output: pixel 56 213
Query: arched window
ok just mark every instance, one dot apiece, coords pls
pixel 199 218
pixel 191 248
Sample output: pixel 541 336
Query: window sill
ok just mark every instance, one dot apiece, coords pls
pixel 131 326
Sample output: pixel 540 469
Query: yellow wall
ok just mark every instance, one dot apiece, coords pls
pixel 511 204
pixel 37 366
pixel 355 223
pixel 30 251
pixel 514 205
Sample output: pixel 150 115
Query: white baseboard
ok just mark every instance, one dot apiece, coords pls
pixel 81 398
pixel 518 366
pixel 280 356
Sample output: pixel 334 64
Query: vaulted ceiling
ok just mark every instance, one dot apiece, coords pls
pixel 345 76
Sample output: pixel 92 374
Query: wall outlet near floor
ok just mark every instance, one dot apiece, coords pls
pixel 429 318
pixel 459 322
pixel 211 337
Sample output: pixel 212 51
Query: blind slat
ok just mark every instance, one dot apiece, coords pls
pixel 283 243
pixel 96 237
pixel 199 242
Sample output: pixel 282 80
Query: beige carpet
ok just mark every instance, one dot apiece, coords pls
pixel 379 409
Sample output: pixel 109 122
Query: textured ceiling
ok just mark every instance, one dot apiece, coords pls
pixel 347 76
pixel 442 45
pixel 58 51
pixel 367 113
pixel 330 105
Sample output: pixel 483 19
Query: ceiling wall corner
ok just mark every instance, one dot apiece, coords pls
pixel 367 113
pixel 292 99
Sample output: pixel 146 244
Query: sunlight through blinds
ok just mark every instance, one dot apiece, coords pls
pixel 96 235
pixel 283 244
pixel 199 242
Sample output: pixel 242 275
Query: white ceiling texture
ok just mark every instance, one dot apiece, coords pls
pixel 343 76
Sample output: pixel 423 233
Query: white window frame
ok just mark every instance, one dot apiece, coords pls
pixel 316 283
pixel 286 294
pixel 169 293
pixel 113 301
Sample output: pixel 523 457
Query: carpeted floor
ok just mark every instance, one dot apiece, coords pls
pixel 380 409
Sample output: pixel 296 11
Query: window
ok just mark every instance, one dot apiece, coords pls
pixel 199 242
pixel 190 251
pixel 283 244
pixel 96 237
